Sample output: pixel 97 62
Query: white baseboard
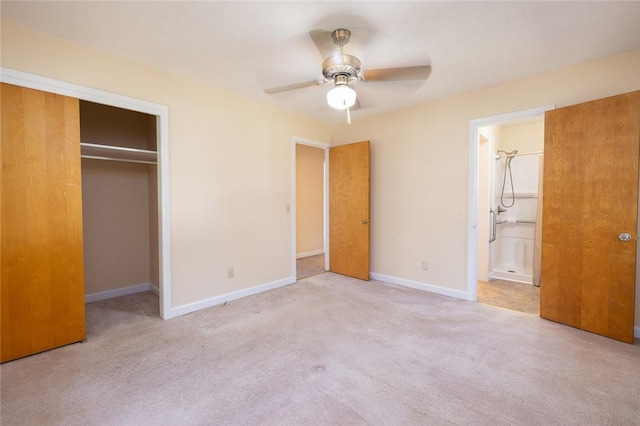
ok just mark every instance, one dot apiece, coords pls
pixel 218 300
pixel 421 286
pixel 309 253
pixel 154 289
pixel 110 294
pixel 441 290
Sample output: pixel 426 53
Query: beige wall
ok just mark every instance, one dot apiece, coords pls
pixel 230 164
pixel 115 204
pixel 309 200
pixel 420 165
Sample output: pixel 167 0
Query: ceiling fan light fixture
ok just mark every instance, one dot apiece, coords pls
pixel 341 97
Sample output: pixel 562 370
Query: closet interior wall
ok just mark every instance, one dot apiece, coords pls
pixel 120 202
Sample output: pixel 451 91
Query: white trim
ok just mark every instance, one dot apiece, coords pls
pixel 50 85
pixel 302 141
pixel 110 294
pixel 636 332
pixel 162 112
pixel 458 294
pixel 309 253
pixel 326 210
pixel 310 142
pixel 472 239
pixel 218 300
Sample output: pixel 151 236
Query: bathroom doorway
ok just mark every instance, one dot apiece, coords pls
pixel 509 175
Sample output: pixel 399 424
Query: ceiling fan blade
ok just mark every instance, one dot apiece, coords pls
pixel 420 72
pixel 292 87
pixel 356 105
pixel 324 42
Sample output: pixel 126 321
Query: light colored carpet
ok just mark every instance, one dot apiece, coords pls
pixel 510 295
pixel 326 350
pixel 310 266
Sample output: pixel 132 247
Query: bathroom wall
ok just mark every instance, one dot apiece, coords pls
pixel 525 137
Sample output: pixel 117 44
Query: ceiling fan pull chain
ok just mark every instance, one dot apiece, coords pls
pixel 348 116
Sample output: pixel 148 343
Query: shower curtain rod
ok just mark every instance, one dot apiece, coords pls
pixel 499 156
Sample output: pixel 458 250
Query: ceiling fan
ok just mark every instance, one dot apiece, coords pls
pixel 343 69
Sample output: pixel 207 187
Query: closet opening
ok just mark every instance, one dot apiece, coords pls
pixel 119 201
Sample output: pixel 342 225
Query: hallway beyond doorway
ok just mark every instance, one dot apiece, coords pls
pixel 309 266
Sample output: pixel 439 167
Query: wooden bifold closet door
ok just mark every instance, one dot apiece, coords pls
pixel 41 209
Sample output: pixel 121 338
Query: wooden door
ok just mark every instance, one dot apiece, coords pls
pixel 41 208
pixel 590 198
pixel 349 181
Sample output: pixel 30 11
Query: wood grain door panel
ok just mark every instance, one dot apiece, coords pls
pixel 349 189
pixel 42 259
pixel 590 197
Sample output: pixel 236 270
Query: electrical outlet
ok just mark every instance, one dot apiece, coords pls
pixel 425 265
pixel 230 273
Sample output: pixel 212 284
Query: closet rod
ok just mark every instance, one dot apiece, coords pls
pixel 117 148
pixel 97 157
pixel 117 153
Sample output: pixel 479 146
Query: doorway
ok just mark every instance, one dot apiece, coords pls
pixel 505 164
pixel 310 189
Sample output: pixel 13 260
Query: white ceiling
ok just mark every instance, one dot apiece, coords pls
pixel 245 47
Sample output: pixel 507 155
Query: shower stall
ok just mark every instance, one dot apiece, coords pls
pixel 513 168
pixel 514 216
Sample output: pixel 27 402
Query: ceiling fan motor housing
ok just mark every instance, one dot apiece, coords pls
pixel 341 64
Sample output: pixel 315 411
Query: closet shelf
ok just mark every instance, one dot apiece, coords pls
pixel 117 153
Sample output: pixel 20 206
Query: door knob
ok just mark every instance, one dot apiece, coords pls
pixel 625 236
pixel 365 221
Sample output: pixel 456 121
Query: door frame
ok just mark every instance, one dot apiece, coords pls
pixel 294 230
pixel 472 242
pixel 32 81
